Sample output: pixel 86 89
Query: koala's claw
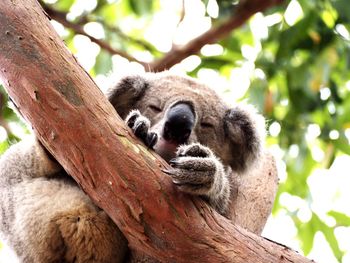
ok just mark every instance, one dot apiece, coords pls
pixel 151 140
pixel 140 126
pixel 130 119
pixel 194 150
pixel 194 169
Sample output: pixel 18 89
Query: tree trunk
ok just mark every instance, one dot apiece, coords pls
pixel 80 128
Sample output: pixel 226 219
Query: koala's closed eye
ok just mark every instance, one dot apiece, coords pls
pixel 208 122
pixel 207 125
pixel 154 108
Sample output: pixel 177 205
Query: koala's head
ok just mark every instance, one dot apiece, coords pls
pixel 183 110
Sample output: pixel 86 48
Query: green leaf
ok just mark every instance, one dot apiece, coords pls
pixel 332 241
pixel 306 234
pixel 329 15
pixel 343 9
pixel 64 5
pixel 215 62
pixel 343 145
pixel 4 146
pixel 143 7
pixel 226 7
pixel 103 63
pixel 109 12
pixel 330 237
pixel 342 219
pixel 292 36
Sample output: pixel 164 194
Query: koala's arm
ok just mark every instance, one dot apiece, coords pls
pixel 26 159
pixel 197 171
pixel 200 172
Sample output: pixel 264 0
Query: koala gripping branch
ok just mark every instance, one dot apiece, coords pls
pixel 80 128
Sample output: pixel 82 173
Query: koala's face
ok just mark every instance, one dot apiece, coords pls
pixel 182 111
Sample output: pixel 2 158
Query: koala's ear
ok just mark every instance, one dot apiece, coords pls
pixel 245 131
pixel 124 94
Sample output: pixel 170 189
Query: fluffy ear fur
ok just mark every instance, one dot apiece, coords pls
pixel 245 130
pixel 126 92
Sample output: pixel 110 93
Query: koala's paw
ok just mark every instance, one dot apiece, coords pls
pixel 140 126
pixel 196 170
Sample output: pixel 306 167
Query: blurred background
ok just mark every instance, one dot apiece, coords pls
pixel 290 59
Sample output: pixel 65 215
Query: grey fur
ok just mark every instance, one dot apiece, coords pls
pixel 45 216
pixel 197 171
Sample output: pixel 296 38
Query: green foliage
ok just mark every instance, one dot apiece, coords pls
pixel 308 231
pixel 141 7
pixel 298 74
pixel 103 63
pixel 7 115
pixel 340 218
pixel 65 5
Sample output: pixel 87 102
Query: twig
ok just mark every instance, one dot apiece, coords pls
pixel 61 17
pixel 183 12
pixel 88 18
pixel 243 12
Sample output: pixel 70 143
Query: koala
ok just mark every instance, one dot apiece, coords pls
pixel 45 216
pixel 190 126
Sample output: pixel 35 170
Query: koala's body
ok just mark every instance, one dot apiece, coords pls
pixel 46 217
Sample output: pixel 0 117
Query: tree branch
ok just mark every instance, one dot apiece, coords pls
pixel 81 129
pixel 87 18
pixel 243 12
pixel 61 18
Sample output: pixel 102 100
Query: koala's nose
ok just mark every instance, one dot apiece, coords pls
pixel 179 123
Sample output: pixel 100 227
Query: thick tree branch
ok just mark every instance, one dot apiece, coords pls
pixel 245 10
pixel 77 124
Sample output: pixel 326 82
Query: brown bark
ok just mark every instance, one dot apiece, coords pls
pixel 76 123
